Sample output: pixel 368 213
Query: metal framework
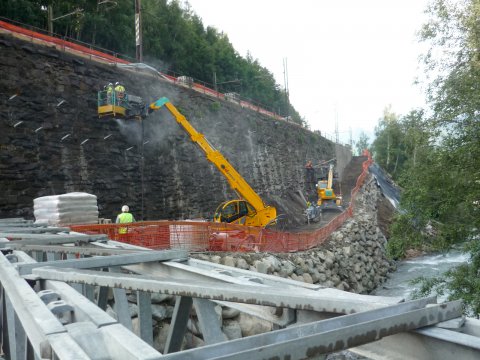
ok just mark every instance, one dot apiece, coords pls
pixel 53 299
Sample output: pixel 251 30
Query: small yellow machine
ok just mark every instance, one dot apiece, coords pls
pixel 249 209
pixel 326 196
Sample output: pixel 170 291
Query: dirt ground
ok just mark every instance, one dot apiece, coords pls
pixel 351 173
pixel 295 206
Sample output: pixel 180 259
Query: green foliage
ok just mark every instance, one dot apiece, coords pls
pixel 405 235
pixel 399 140
pixel 437 159
pixel 362 143
pixel 174 40
pixel 215 106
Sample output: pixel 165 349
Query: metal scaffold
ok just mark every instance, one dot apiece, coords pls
pixel 55 286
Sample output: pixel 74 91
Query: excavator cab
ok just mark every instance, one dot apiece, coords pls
pixel 235 212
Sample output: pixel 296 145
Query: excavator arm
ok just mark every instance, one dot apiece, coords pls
pixel 330 177
pixel 257 214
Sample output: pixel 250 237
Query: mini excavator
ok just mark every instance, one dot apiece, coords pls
pixel 326 198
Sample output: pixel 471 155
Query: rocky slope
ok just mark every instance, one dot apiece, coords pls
pixel 52 142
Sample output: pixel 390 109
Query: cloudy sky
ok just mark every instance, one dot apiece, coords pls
pixel 347 59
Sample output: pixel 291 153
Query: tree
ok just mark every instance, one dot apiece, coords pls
pixel 174 40
pixel 442 173
pixel 362 143
pixel 387 146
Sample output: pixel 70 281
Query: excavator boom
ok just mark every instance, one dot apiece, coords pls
pixel 236 181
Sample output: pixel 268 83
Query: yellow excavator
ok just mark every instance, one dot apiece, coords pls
pixel 248 210
pixel 326 196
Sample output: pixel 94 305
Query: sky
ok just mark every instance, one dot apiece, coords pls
pixel 347 60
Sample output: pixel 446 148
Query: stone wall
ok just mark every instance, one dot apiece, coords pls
pixel 52 142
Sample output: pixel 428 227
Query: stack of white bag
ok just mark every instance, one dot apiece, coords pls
pixel 65 209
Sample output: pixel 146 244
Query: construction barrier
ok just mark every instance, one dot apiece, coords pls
pixel 207 236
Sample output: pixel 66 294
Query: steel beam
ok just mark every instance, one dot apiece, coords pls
pixel 325 300
pixel 144 303
pixel 50 239
pixel 209 321
pixel 107 261
pixel 90 251
pixel 326 336
pixel 29 229
pixel 39 324
pixel 37 320
pixel 429 343
pixel 178 325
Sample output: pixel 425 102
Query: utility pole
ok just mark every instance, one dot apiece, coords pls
pixel 285 80
pixel 138 31
pixel 337 137
pixel 50 19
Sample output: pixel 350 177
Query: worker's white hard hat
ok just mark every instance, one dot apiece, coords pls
pixel 117 83
pixel 125 208
pixel 110 84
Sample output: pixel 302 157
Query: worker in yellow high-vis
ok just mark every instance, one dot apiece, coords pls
pixel 120 93
pixel 123 218
pixel 109 89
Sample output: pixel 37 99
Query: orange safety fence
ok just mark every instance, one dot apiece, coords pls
pixel 63 44
pixel 207 236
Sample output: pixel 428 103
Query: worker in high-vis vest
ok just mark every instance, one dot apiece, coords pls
pixel 124 218
pixel 119 93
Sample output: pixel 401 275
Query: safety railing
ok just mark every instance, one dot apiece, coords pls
pixel 208 236
pixel 100 54
pixel 62 43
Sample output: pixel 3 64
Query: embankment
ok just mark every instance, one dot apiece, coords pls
pixel 52 142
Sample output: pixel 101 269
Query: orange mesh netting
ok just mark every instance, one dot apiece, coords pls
pixel 208 236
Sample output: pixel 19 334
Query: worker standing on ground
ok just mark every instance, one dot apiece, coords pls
pixel 124 218
pixel 310 181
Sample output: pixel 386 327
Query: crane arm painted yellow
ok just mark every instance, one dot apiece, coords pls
pixel 257 214
pixel 326 195
pixel 330 177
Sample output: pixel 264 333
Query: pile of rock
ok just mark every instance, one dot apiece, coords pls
pixel 353 259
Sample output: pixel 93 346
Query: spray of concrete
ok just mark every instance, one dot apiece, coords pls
pixel 131 130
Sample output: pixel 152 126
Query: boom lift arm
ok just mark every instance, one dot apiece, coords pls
pixel 250 209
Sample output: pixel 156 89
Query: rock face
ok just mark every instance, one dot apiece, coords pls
pixel 52 141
